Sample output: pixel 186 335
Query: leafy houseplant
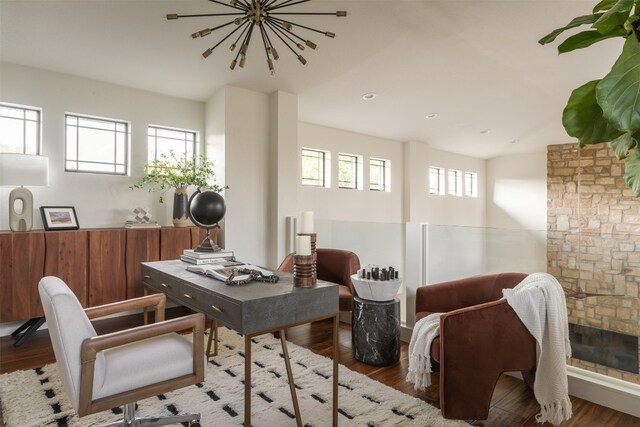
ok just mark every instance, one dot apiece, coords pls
pixel 169 171
pixel 608 110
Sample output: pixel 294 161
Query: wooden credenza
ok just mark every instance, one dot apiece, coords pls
pixel 100 265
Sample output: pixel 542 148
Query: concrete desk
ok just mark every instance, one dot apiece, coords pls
pixel 252 309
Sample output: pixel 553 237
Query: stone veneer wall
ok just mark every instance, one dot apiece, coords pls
pixel 603 222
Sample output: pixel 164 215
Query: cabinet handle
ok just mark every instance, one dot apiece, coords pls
pixel 188 296
pixel 147 277
pixel 217 309
pixel 164 285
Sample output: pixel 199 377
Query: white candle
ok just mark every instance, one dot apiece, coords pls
pixel 306 224
pixel 303 245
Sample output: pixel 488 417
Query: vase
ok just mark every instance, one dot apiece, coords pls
pixel 180 203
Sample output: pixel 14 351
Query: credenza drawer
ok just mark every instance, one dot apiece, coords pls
pixel 196 298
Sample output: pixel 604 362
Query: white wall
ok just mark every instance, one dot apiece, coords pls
pixel 345 204
pixel 517 191
pixel 100 200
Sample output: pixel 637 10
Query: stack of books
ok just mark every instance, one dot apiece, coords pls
pixel 198 258
pixel 138 224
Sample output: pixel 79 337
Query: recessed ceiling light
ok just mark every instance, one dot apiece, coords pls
pixel 483 131
pixel 369 96
pixel 431 116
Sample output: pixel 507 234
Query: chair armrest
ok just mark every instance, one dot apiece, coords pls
pixel 158 300
pixel 91 346
pixel 455 294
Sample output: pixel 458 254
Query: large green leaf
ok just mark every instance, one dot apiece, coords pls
pixel 622 144
pixel 582 117
pixel 632 172
pixel 586 39
pixel 618 93
pixel 614 17
pixel 575 22
pixel 604 5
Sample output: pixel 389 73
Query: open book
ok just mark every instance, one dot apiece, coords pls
pixel 223 272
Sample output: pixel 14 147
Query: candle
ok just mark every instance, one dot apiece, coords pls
pixel 306 224
pixel 303 245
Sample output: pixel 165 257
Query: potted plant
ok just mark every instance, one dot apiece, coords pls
pixel 169 171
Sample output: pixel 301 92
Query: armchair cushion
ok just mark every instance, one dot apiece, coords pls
pixel 142 363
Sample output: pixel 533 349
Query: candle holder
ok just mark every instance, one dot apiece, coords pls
pixel 303 271
pixel 314 254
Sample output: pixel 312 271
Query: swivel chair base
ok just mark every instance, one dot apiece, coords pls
pixel 130 419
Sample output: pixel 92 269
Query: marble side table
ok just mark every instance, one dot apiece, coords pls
pixel 376 331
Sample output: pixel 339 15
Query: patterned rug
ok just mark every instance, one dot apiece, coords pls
pixel 36 397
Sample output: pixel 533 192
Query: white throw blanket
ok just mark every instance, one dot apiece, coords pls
pixel 539 303
pixel 424 331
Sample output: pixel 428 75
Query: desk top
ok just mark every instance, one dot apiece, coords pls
pixel 247 308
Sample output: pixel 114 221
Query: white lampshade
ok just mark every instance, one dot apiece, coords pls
pixel 24 169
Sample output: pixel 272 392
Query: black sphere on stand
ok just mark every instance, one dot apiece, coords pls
pixel 206 209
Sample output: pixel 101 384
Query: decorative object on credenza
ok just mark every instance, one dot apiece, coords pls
pixel 261 16
pixel 142 218
pixel 59 218
pixel 22 170
pixel 206 209
pixel 375 284
pixel 171 171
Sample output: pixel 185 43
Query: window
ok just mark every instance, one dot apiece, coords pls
pixel 471 184
pixel 96 145
pixel 455 182
pixel 315 167
pixel 379 175
pixel 163 140
pixel 349 171
pixel 19 129
pixel 436 180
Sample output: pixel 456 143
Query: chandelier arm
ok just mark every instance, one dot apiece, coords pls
pixel 226 4
pixel 287 4
pixel 264 40
pixel 288 37
pixel 288 31
pixel 241 4
pixel 299 25
pixel 303 13
pixel 229 35
pixel 233 45
pixel 283 40
pixel 269 3
pixel 209 14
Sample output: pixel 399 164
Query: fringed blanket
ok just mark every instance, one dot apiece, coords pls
pixel 539 303
pixel 424 331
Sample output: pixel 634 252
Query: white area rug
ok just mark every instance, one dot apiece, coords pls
pixel 36 397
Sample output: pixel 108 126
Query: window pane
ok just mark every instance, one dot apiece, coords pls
pixel 347 171
pixel 313 167
pixel 96 145
pixel 7 111
pixel 471 184
pixel 436 180
pixel 19 129
pixel 377 175
pixel 164 140
pixel 31 137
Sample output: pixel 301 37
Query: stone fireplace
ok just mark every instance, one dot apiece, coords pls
pixel 593 242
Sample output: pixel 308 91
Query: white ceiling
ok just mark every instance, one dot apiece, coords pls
pixel 475 63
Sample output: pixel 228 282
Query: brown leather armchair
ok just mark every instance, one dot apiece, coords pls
pixel 336 266
pixel 480 338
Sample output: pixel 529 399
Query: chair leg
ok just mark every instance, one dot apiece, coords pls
pixel 213 336
pixel 130 419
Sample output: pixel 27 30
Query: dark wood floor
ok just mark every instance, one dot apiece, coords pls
pixel 513 403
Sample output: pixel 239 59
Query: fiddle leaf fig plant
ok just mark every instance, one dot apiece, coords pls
pixel 169 171
pixel 608 110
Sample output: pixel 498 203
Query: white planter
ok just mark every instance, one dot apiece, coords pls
pixel 376 290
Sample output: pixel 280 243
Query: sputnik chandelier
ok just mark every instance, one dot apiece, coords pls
pixel 267 18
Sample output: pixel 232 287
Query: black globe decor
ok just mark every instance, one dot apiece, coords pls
pixel 206 209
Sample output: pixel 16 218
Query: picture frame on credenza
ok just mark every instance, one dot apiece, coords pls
pixel 59 218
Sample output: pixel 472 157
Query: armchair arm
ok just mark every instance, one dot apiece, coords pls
pixel 158 300
pixel 453 295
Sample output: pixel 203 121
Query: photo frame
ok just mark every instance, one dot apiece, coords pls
pixel 59 218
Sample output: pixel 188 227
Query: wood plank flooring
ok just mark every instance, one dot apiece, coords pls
pixel 513 404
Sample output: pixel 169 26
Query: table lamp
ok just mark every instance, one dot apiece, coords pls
pixel 22 170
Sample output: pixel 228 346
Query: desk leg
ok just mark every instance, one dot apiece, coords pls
pixel 247 380
pixel 292 386
pixel 335 370
pixel 213 336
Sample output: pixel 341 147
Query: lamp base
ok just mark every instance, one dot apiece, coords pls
pixel 21 220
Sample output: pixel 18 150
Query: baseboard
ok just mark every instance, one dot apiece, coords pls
pixel 607 391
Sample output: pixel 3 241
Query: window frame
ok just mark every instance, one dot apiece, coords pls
pixel 324 181
pixel 195 148
pixel 127 143
pixel 455 188
pixel 439 189
pixel 25 120
pixel 356 171
pixel 473 191
pixel 385 168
